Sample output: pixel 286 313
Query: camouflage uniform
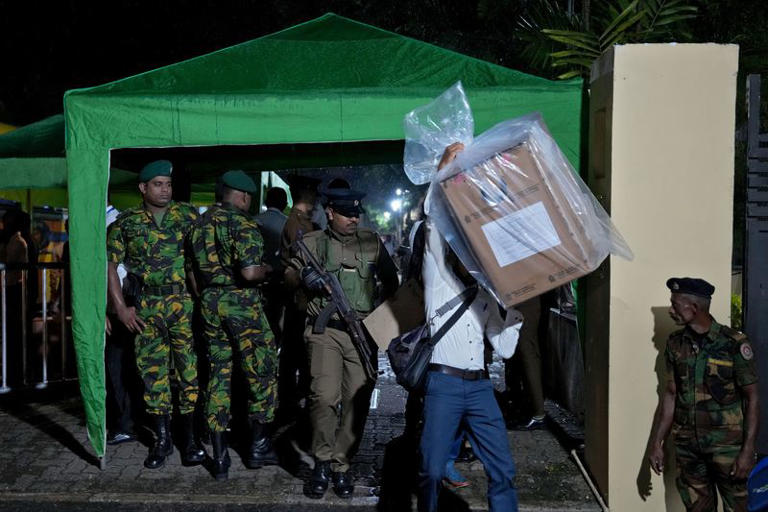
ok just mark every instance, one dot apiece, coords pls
pixel 157 255
pixel 337 372
pixel 225 241
pixel 708 419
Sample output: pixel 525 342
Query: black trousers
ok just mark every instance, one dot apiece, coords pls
pixel 124 402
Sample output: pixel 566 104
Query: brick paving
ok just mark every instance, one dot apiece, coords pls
pixel 46 463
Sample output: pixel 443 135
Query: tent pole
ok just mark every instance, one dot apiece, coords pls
pixel 4 388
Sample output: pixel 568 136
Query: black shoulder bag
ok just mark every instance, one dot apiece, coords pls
pixel 409 354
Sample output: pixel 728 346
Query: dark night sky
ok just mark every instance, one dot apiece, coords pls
pixel 50 47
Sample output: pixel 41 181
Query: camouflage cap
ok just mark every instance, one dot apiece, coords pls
pixel 154 169
pixel 691 286
pixel 238 180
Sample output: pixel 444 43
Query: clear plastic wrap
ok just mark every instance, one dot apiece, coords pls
pixel 429 129
pixel 510 205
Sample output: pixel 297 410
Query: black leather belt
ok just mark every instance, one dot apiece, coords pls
pixel 456 372
pixel 163 290
pixel 332 323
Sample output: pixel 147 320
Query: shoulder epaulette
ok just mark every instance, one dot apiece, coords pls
pixel 314 234
pixel 127 213
pixel 732 333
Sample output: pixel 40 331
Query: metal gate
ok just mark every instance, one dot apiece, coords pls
pixel 756 249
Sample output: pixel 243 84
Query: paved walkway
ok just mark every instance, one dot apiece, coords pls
pixel 46 463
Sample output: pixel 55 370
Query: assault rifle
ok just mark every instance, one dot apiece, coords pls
pixel 340 304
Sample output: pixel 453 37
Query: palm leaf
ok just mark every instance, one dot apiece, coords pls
pixel 570 74
pixel 620 31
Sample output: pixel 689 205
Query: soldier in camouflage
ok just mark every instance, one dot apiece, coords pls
pixel 150 241
pixel 358 258
pixel 710 403
pixel 228 249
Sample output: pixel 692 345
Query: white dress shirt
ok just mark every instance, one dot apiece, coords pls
pixel 462 346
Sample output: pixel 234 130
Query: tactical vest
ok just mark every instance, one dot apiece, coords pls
pixel 357 277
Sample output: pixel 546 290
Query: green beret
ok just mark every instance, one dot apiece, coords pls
pixel 238 180
pixel 691 286
pixel 154 169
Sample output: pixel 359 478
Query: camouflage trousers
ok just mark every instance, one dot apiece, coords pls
pixel 168 333
pixel 236 328
pixel 704 459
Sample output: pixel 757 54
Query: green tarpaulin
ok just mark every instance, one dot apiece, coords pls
pixel 328 80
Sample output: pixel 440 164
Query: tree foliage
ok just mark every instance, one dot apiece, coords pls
pixel 570 42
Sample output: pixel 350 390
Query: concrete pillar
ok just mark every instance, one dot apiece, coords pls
pixel 661 160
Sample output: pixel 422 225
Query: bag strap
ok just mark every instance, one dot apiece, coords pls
pixel 468 295
pixel 456 300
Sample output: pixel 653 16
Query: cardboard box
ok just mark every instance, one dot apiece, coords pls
pixel 397 315
pixel 522 230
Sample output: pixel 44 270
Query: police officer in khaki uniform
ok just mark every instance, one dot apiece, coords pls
pixel 358 259
pixel 710 403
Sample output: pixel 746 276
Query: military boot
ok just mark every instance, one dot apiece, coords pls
pixel 221 460
pixel 163 447
pixel 318 483
pixel 260 452
pixel 191 453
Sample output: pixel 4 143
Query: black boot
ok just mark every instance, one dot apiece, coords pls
pixel 221 460
pixel 163 447
pixel 261 452
pixel 318 484
pixel 343 485
pixel 191 453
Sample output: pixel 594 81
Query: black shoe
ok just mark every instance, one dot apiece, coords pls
pixel 318 483
pixel 261 452
pixel 220 461
pixel 163 447
pixel 533 424
pixel 342 484
pixel 191 453
pixel 114 438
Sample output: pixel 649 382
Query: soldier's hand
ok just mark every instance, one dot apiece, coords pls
pixel 449 155
pixel 130 319
pixel 656 459
pixel 312 279
pixel 742 465
pixel 107 325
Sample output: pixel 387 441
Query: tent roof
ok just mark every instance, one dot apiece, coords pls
pixel 37 140
pixel 331 79
pixel 326 54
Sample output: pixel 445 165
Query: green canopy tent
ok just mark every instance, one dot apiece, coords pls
pixel 330 80
pixel 32 160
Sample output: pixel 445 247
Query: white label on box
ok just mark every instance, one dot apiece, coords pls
pixel 521 234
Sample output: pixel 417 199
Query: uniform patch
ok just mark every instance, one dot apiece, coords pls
pixel 746 351
pixel 720 362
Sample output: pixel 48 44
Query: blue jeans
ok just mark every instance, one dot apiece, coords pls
pixel 447 402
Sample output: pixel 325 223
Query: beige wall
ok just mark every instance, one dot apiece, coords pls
pixel 667 116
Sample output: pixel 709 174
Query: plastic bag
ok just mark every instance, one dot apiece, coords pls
pixel 429 129
pixel 512 207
